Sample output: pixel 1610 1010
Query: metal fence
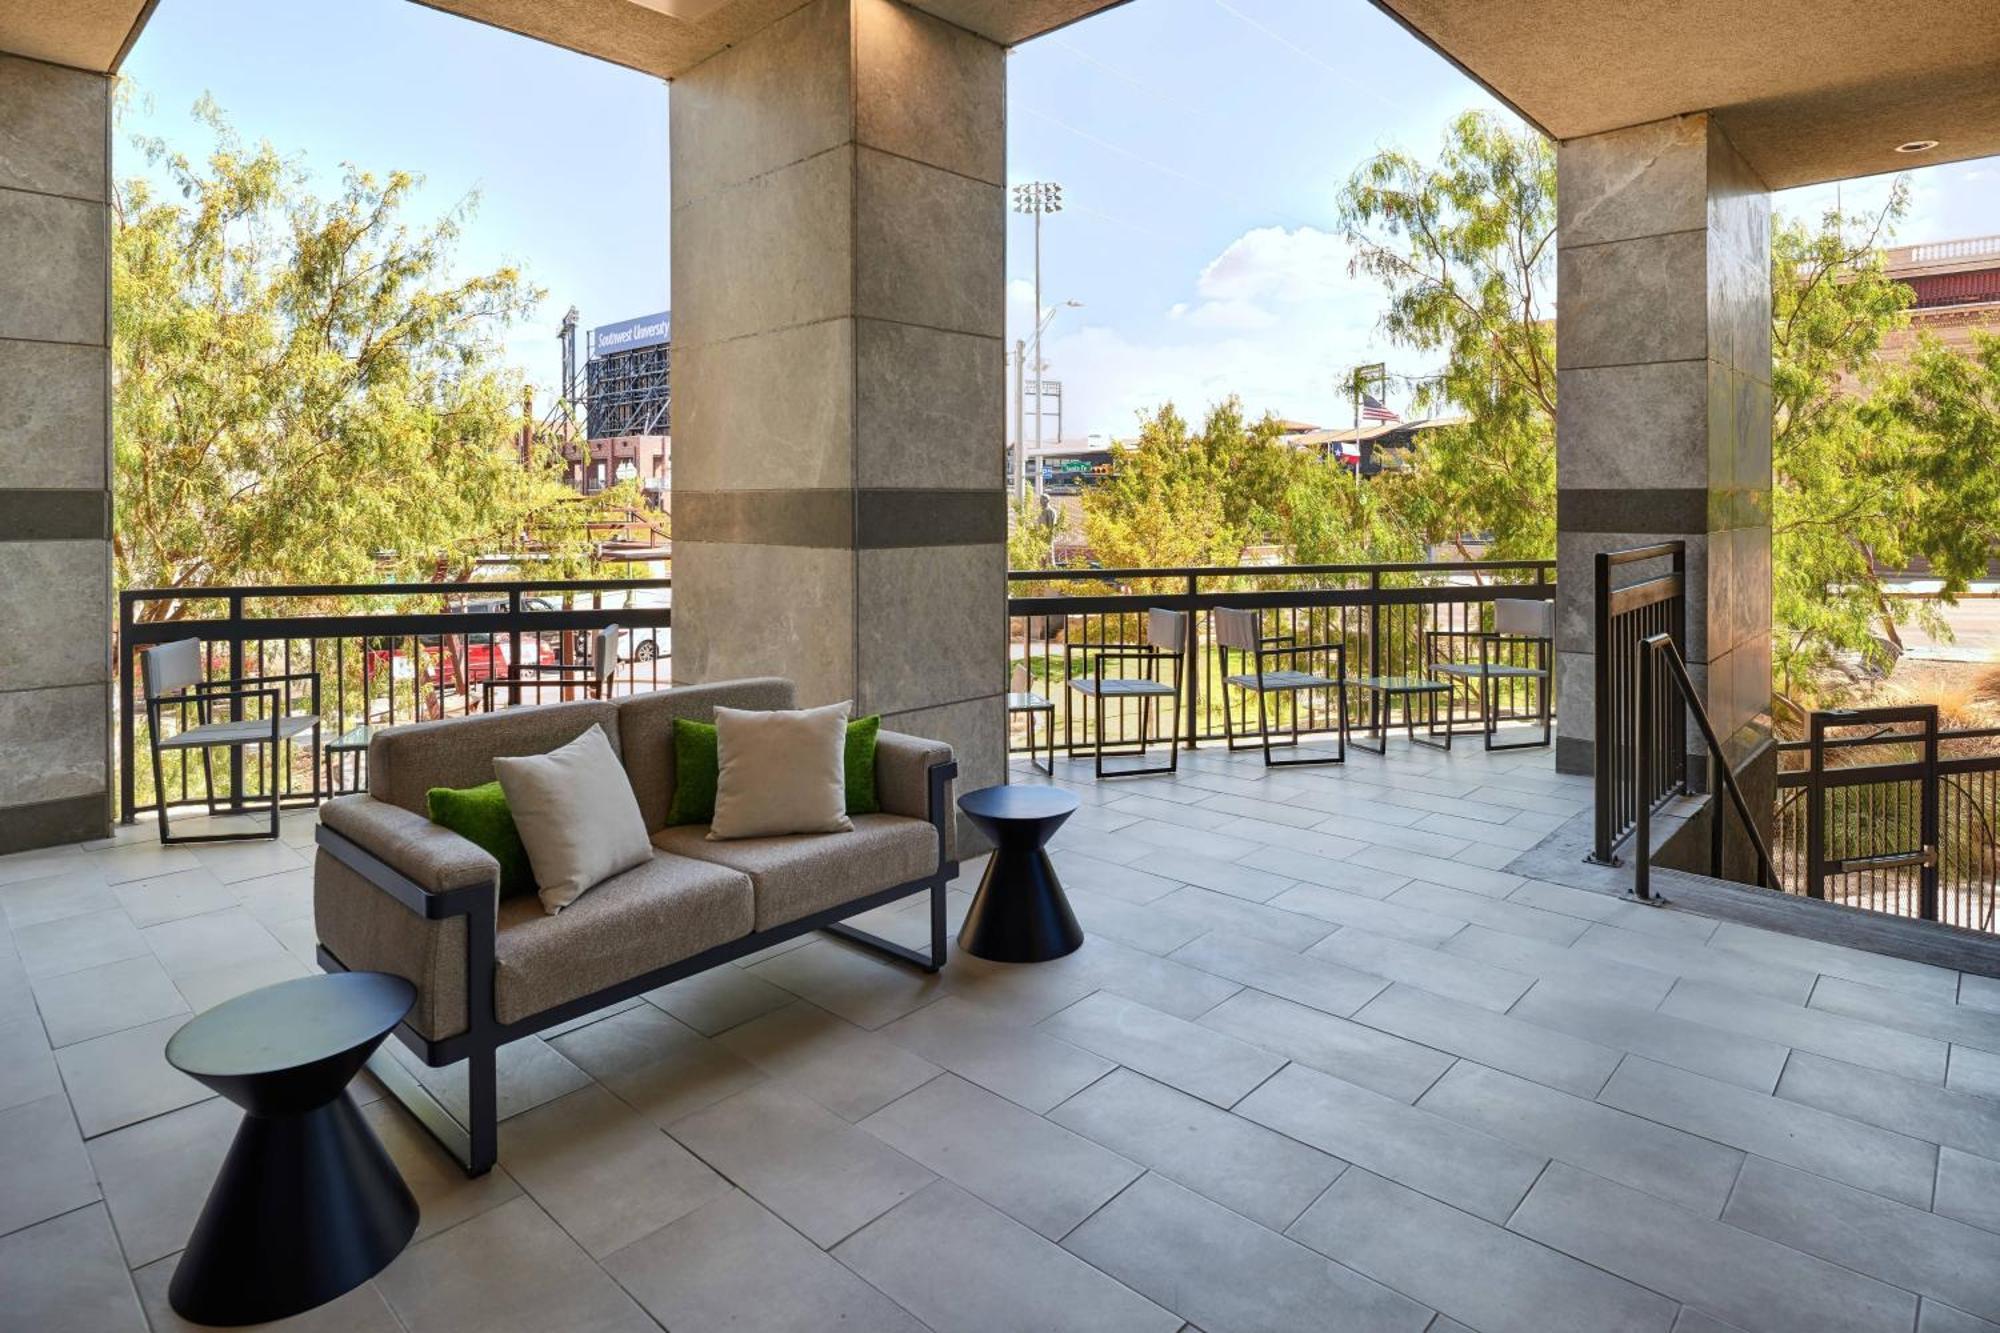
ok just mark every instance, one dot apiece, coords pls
pixel 1389 620
pixel 1635 598
pixel 377 654
pixel 1878 808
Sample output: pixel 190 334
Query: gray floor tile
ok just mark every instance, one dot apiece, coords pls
pixel 1696 1321
pixel 1158 983
pixel 65 1276
pixel 531 1073
pixel 1513 1044
pixel 1504 836
pixel 1853 1040
pixel 863 988
pixel 604 1173
pixel 1003 1278
pixel 1019 1063
pixel 1243 1166
pixel 1367 881
pixel 30 902
pixel 1968 1188
pixel 1257 921
pixel 1568 901
pixel 1608 979
pixel 277 899
pixel 1742 1278
pixel 849 1070
pixel 1935 1318
pixel 77 1006
pixel 1439 870
pixel 445 1196
pixel 1941 1018
pixel 1507 915
pixel 1491 1278
pixel 1278 971
pixel 1230 877
pixel 1292 811
pixel 1427 1152
pixel 361 1310
pixel 42 863
pixel 117 1079
pixel 73 943
pixel 1732 1057
pixel 1386 916
pixel 140 860
pixel 214 939
pixel 1352 1051
pixel 1035 1171
pixel 170 897
pixel 1399 837
pixel 1973 1070
pixel 1897 974
pixel 1939 1115
pixel 233 862
pixel 204 988
pixel 1486 856
pixel 1697 962
pixel 730 1264
pixel 1979 992
pixel 1936 1257
pixel 801 1161
pixel 1109 878
pixel 1137 805
pixel 1784 1131
pixel 510 1268
pixel 43 1164
pixel 1441 974
pixel 27 1067
pixel 156 1175
pixel 1678 1167
pixel 1150 928
pixel 1224 1272
pixel 656 1065
pixel 1211 844
pixel 1319 841
pixel 1198 1060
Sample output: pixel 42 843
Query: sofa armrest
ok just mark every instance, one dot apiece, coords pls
pixel 903 785
pixel 429 855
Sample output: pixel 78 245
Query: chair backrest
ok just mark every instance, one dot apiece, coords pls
pixel 1523 618
pixel 170 667
pixel 1238 629
pixel 1167 630
pixel 604 649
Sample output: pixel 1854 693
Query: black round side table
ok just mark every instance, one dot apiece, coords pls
pixel 307 1204
pixel 1020 914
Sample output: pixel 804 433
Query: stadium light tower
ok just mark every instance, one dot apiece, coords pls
pixel 1035 198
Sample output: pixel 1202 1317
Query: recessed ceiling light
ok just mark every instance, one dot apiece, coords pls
pixel 1917 146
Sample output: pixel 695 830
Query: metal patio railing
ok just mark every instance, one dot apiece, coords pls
pixel 1631 605
pixel 1391 619
pixel 384 653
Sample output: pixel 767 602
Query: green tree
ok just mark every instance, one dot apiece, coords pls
pixel 1464 248
pixel 303 393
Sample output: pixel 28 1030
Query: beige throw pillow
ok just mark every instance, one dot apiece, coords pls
pixel 783 771
pixel 577 816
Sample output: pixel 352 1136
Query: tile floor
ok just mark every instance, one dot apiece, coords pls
pixel 1323 1063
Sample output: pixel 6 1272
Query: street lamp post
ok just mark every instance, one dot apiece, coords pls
pixel 1035 198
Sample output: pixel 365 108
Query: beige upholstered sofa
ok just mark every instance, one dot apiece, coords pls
pixel 393 892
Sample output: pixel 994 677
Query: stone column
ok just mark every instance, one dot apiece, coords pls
pixel 838 236
pixel 55 491
pixel 1663 425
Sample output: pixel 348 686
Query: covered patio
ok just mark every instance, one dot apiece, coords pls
pixel 1324 1053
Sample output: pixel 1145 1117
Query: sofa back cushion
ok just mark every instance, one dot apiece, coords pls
pixel 404 763
pixel 646 731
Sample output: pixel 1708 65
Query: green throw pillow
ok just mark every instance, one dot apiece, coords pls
pixel 697 765
pixel 480 816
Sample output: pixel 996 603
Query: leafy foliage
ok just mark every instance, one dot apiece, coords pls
pixel 304 393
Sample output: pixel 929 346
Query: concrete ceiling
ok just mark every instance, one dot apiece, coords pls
pixel 1809 90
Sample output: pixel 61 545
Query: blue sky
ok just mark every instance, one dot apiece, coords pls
pixel 1200 144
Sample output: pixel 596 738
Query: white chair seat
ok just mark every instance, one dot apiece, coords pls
pixel 248 731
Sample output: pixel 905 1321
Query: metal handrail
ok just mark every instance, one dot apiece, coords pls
pixel 1658 648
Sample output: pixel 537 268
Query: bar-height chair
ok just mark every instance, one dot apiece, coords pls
pixel 592 677
pixel 1519 623
pixel 1165 646
pixel 171 676
pixel 1278 664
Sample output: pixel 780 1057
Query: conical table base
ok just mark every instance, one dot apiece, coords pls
pixel 1020 913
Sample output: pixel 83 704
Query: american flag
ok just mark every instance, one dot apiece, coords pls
pixel 1373 409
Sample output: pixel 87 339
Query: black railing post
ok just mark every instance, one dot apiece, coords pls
pixel 235 705
pixel 1816 807
pixel 128 794
pixel 1604 764
pixel 1192 665
pixel 513 650
pixel 1927 818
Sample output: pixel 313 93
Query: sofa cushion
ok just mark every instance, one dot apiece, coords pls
pixel 646 731
pixel 783 771
pixel 368 931
pixel 576 816
pixel 659 912
pixel 405 762
pixel 802 873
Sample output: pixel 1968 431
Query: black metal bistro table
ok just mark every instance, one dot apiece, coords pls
pixel 307 1204
pixel 1020 913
